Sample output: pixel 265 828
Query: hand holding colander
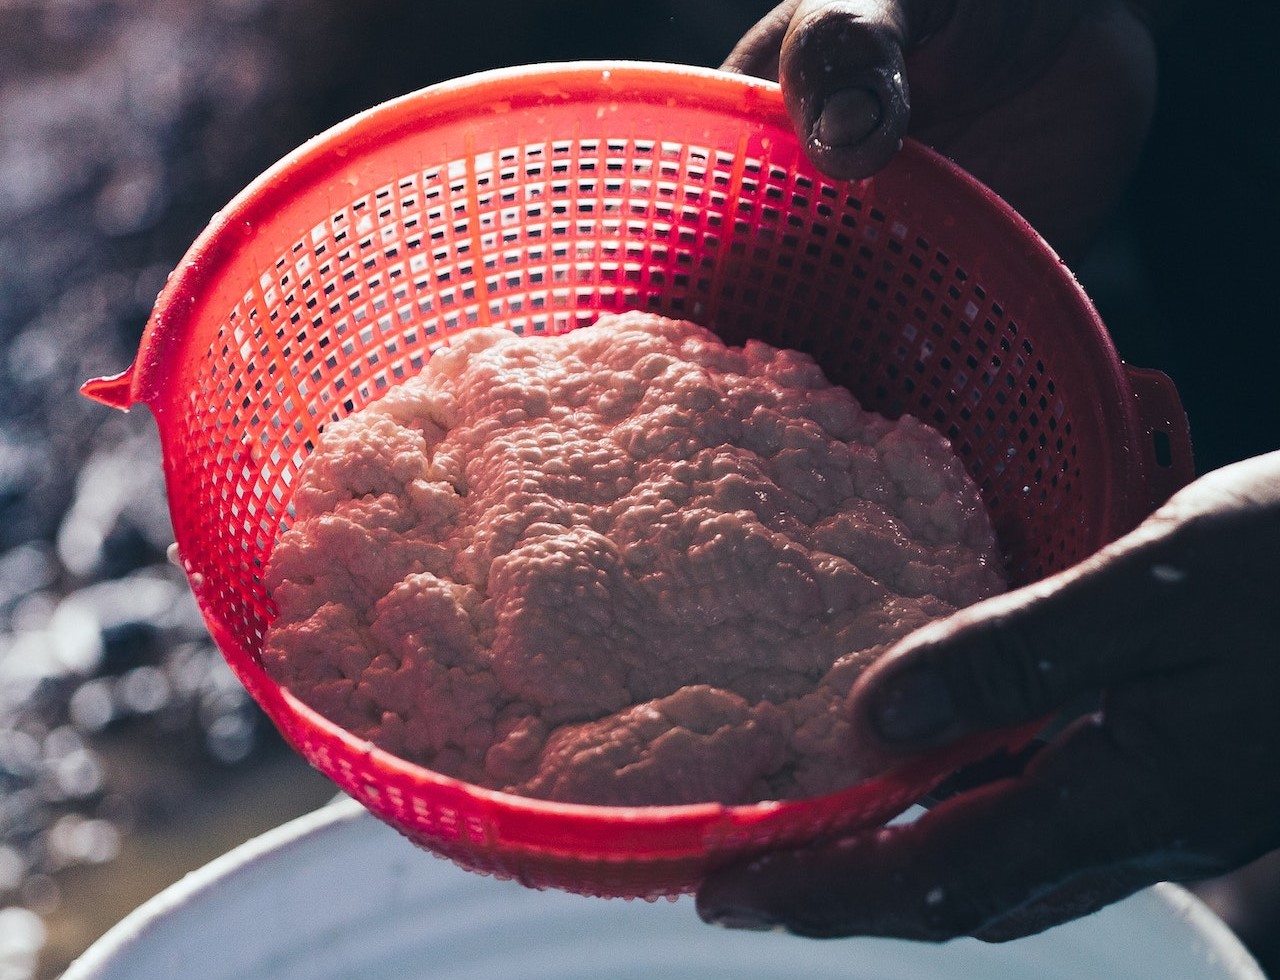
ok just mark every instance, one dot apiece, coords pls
pixel 536 199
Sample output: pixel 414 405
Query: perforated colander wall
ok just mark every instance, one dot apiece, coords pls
pixel 541 238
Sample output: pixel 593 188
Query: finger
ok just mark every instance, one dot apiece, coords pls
pixel 843 78
pixel 1080 829
pixel 1021 656
pixel 757 52
pixel 1081 895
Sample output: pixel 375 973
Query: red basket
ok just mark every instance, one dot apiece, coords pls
pixel 536 199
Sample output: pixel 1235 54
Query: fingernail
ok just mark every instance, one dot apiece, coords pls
pixel 739 917
pixel 916 704
pixel 848 117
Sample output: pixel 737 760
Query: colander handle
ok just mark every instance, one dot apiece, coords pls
pixel 114 391
pixel 1167 446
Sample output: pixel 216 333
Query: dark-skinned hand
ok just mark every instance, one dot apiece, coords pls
pixel 1174 630
pixel 1045 101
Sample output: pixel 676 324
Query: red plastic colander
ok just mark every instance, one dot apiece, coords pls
pixel 536 199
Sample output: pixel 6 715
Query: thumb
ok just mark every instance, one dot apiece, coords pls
pixel 1021 656
pixel 844 82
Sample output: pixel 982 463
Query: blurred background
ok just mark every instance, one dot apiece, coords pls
pixel 129 754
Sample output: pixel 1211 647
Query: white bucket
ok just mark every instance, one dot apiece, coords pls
pixel 338 894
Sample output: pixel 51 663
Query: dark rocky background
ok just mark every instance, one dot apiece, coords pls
pixel 128 753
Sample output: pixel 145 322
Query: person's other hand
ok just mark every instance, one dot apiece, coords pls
pixel 1046 101
pixel 1177 626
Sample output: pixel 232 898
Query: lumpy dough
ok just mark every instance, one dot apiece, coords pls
pixel 626 565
